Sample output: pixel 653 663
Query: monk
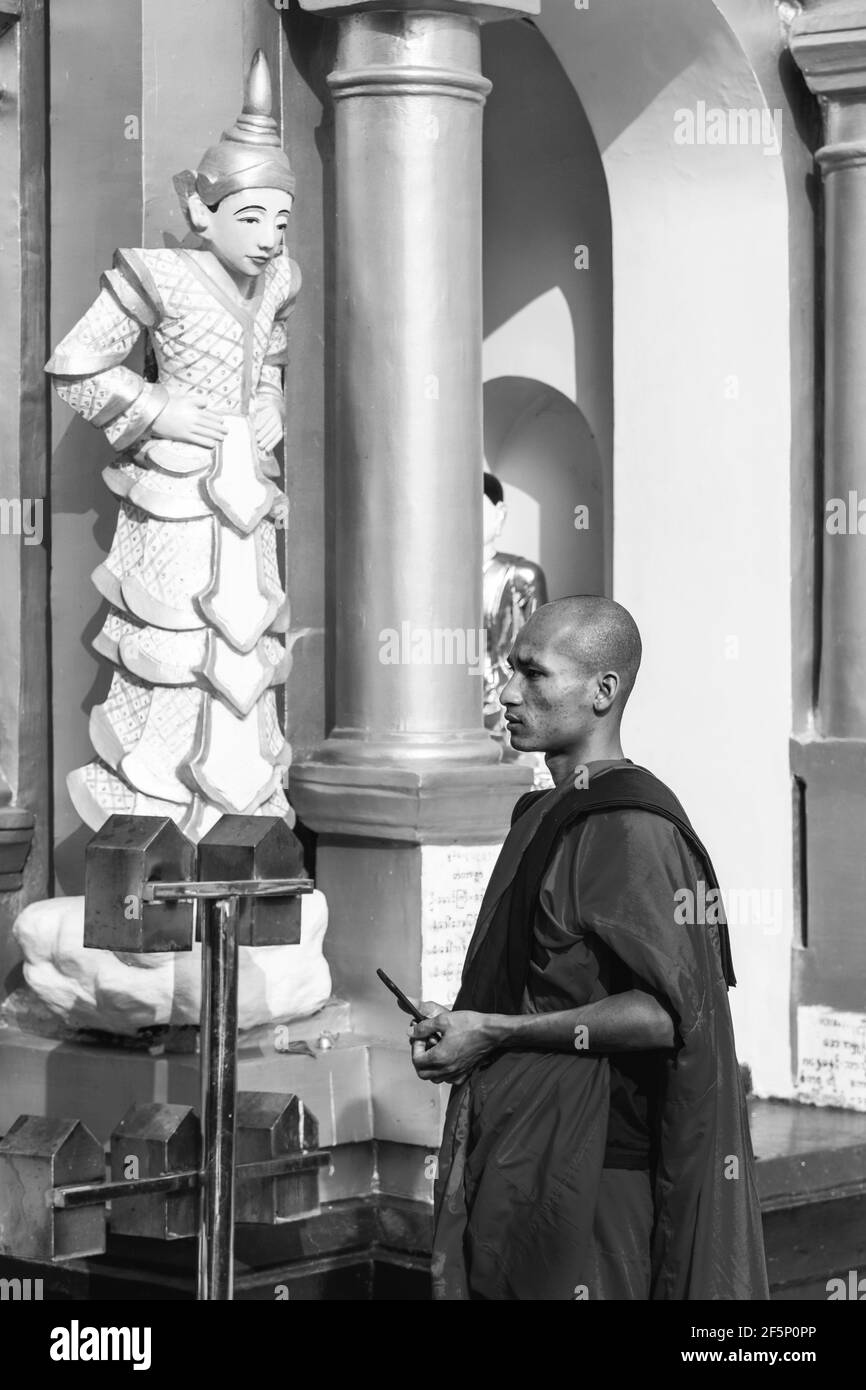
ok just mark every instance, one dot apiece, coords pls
pixel 596 1142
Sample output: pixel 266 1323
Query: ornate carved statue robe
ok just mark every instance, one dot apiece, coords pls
pixel 190 726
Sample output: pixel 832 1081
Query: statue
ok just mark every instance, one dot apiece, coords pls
pixel 197 614
pixel 513 588
pixel 190 726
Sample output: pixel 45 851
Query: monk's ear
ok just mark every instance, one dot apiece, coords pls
pixel 608 685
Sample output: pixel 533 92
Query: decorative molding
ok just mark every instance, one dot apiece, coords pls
pixel 486 10
pixel 829 47
pixel 409 81
pixel 847 154
pixel 469 805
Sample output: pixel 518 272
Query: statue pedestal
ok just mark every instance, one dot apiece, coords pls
pixel 124 993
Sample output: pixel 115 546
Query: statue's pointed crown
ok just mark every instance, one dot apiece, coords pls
pixel 249 154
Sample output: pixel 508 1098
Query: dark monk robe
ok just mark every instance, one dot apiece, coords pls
pixel 568 1175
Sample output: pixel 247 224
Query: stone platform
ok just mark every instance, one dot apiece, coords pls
pixel 382 1126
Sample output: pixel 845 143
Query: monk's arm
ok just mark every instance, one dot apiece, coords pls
pixel 629 1022
pixel 446 1046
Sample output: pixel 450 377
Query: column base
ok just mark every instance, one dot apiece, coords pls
pixel 444 804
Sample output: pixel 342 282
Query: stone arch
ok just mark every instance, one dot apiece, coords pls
pixel 545 454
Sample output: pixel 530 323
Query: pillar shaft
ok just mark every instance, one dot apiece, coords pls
pixel 842 689
pixel 829 44
pixel 408 106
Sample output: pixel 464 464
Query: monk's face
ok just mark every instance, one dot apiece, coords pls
pixel 549 698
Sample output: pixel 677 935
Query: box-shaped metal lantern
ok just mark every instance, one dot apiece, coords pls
pixel 269 1125
pixel 151 1140
pixel 36 1155
pixel 256 847
pixel 127 853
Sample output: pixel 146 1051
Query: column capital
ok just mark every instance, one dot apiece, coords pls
pixel 828 44
pixel 481 10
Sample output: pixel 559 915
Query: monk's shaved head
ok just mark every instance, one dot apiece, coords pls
pixel 596 633
pixel 573 665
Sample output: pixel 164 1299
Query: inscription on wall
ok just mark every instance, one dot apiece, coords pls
pixel 832 1053
pixel 453 880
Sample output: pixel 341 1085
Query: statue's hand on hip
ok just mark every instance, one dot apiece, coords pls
pixel 280 512
pixel 188 421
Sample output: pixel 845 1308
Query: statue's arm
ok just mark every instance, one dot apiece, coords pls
pixel 530 590
pixel 270 386
pixel 87 368
pixel 270 389
pixel 269 407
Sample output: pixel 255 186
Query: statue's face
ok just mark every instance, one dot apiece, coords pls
pixel 246 229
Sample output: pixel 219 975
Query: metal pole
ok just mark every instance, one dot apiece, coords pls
pixel 218 1042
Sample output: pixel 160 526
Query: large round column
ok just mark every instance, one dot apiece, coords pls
pixel 828 41
pixel 829 44
pixel 408 96
pixel 842 687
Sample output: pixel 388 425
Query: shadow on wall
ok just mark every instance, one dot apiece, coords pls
pixel 540 446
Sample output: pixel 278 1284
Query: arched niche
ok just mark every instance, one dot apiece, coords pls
pixel 555 484
pixel 548 349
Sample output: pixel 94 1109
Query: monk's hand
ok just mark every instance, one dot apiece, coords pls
pixel 446 1046
pixel 268 427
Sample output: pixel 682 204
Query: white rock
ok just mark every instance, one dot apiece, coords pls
pixel 120 993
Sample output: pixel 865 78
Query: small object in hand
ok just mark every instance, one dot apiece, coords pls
pixel 402 999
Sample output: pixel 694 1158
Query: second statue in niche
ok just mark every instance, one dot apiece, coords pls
pixel 513 588
pixel 190 726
